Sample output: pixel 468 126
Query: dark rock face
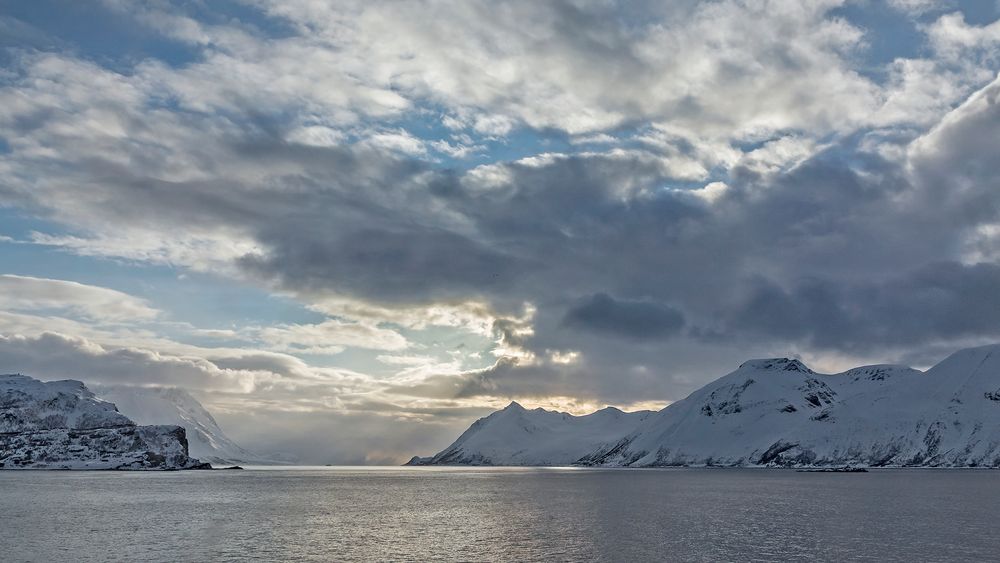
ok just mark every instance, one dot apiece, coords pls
pixel 123 447
pixel 817 394
pixel 726 400
pixel 602 455
pixel 778 364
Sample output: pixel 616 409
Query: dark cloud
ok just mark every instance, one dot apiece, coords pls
pixel 639 320
pixel 419 264
pixel 939 301
pixel 56 356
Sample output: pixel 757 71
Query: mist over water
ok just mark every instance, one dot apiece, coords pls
pixel 420 514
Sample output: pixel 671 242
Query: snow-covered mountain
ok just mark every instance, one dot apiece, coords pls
pixel 62 425
pixel 517 436
pixel 779 412
pixel 158 405
pixel 28 404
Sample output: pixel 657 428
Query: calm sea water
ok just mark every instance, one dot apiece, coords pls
pixel 422 514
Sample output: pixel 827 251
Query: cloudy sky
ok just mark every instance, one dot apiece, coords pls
pixel 353 227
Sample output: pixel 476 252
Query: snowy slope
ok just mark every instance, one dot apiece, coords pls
pixel 62 425
pixel 517 436
pixel 778 412
pixel 28 404
pixel 149 405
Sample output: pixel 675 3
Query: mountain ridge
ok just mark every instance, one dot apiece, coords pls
pixel 779 412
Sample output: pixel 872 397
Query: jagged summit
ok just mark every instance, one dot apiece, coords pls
pixel 777 364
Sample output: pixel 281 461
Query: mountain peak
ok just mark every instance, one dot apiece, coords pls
pixel 777 364
pixel 514 406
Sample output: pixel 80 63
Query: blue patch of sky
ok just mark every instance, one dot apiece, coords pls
pixel 427 124
pixel 96 32
pixel 226 12
pixel 200 299
pixel 980 12
pixel 18 224
pixel 354 359
pixel 889 34
pixel 114 38
pixel 208 301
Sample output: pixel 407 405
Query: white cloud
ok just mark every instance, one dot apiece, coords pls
pixel 950 35
pixel 472 316
pixel 404 360
pixel 779 154
pixel 399 140
pixel 712 191
pixel 317 136
pixel 918 7
pixel 458 150
pixel 56 356
pixel 24 293
pixel 329 337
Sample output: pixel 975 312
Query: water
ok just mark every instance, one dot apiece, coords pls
pixel 421 514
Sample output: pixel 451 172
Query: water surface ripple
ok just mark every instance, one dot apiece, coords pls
pixel 423 514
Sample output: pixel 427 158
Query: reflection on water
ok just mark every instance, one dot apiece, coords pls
pixel 419 514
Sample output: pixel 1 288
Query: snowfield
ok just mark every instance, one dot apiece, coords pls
pixel 774 412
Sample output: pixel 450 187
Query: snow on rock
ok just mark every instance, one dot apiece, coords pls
pixel 159 405
pixel 128 447
pixel 778 412
pixel 28 404
pixel 517 436
pixel 62 425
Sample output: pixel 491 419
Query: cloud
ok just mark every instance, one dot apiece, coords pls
pixel 329 337
pixel 918 7
pixel 404 360
pixel 951 35
pixel 398 141
pixel 56 356
pixel 640 320
pixel 937 302
pixel 24 293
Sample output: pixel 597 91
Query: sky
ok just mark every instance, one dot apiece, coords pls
pixel 351 228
